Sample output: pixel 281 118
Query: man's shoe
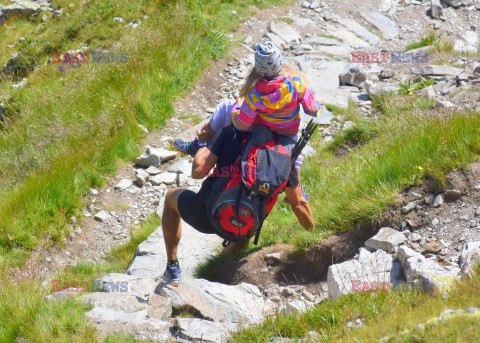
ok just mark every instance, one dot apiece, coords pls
pixel 172 275
pixel 305 195
pixel 188 148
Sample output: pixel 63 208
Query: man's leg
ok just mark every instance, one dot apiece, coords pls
pixel 171 223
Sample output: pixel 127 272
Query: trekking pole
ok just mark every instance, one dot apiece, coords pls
pixel 307 133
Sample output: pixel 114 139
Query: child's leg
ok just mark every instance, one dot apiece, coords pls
pixel 222 117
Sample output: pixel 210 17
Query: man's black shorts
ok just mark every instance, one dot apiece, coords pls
pixel 191 206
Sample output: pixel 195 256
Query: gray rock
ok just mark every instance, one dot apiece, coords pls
pixel 274 257
pixel 348 125
pixel 436 70
pixel 359 30
pixel 295 306
pixel 124 184
pixel 470 256
pixel 153 170
pixel 183 180
pixel 23 10
pixel 200 330
pixel 102 216
pixel 118 20
pixel 142 177
pixel 372 272
pixel 472 68
pixel 352 75
pixel 165 178
pixel 436 9
pixel 453 3
pixel 387 27
pixel 159 307
pixel 123 283
pixel 373 88
pixel 415 237
pixel 410 206
pixel 439 199
pixel 154 157
pixel 181 167
pixel 241 303
pixel 17 67
pixel 386 239
pixel 429 198
pixel 452 194
pixel 115 301
pixel 146 266
pixel 68 293
pixel 286 32
pixel 386 74
pixel 276 40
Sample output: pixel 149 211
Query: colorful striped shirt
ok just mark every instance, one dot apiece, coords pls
pixel 276 104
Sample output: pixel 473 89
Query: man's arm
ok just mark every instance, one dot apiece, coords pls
pixel 203 162
pixel 300 206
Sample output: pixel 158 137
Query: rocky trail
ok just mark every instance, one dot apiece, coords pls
pixel 423 242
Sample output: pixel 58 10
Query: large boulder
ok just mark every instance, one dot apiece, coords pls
pixel 353 75
pixel 23 9
pixel 387 27
pixel 241 303
pixel 17 67
pixel 369 272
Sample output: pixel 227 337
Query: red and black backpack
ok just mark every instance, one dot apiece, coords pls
pixel 238 204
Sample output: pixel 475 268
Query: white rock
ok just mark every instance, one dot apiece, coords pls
pixel 201 330
pixel 166 178
pixel 181 167
pixel 124 184
pixel 374 271
pixel 439 199
pixel 142 177
pixel 102 216
pixel 153 170
pixel 155 157
pixel 386 239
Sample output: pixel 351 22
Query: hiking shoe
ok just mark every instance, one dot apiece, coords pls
pixel 305 195
pixel 188 148
pixel 172 275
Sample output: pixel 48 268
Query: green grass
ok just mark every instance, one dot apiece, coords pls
pixel 359 187
pixel 427 39
pixel 394 314
pixel 26 314
pixel 63 133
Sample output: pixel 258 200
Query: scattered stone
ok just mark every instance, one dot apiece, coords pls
pixel 181 167
pixel 433 247
pixel 453 3
pixel 118 20
pixel 386 74
pixel 159 307
pixel 404 253
pixel 468 42
pixel 124 184
pixel 435 221
pixel 353 75
pixel 452 194
pixel 153 170
pixel 429 198
pixel 295 306
pixel 102 216
pixel 415 237
pixel 386 239
pixel 436 9
pixel 410 206
pixel 308 296
pixel 439 199
pixel 273 258
pixel 165 178
pixel 200 330
pixel 142 177
pixel 154 157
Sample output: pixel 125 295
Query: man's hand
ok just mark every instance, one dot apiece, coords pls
pixel 203 162
pixel 205 133
pixel 300 206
